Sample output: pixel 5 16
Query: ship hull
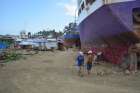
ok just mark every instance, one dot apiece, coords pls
pixel 71 40
pixel 110 30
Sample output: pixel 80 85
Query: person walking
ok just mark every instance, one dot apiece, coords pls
pixel 133 58
pixel 89 62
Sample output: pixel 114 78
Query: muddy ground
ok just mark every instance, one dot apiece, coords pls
pixel 55 72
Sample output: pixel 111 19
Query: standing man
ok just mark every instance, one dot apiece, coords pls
pixel 133 58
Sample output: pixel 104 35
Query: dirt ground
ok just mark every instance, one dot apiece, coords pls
pixel 55 72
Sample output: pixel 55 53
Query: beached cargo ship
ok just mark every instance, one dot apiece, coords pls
pixel 71 36
pixel 110 26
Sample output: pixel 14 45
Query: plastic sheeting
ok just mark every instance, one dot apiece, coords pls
pixel 71 36
pixel 3 46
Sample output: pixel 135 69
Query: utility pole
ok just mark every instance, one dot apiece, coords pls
pixel 75 17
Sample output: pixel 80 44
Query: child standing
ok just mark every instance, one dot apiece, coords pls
pixel 80 62
pixel 89 62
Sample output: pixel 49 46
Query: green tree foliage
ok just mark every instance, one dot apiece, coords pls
pixel 46 33
pixel 70 28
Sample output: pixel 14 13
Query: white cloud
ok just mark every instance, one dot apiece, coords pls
pixel 70 8
pixel 74 1
pixel 60 4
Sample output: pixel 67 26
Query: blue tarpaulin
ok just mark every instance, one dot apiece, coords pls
pixel 3 46
pixel 71 36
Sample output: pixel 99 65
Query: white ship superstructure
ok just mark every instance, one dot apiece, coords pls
pixel 87 7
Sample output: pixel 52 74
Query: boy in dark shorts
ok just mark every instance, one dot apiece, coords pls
pixel 89 62
pixel 80 62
